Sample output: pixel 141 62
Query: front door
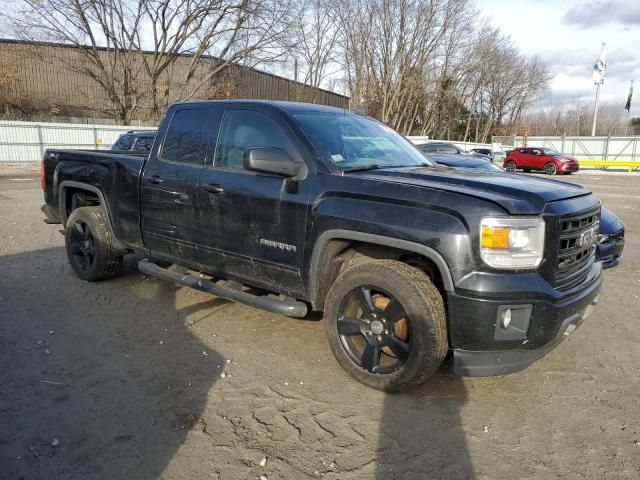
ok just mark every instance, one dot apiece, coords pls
pixel 252 226
pixel 169 187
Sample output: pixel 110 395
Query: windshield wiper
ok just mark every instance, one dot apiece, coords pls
pixel 372 166
pixel 375 166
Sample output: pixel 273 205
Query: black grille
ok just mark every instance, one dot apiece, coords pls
pixel 575 258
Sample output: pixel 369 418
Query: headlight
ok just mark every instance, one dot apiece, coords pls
pixel 512 243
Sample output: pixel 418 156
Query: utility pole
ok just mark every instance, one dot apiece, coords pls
pixel 627 107
pixel 599 72
pixel 595 110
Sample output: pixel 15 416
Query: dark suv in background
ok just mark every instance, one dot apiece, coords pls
pixel 135 140
pixel 445 148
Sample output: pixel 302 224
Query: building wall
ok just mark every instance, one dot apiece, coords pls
pixel 42 80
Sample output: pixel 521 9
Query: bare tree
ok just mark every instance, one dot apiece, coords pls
pixel 316 36
pixel 390 48
pixel 575 119
pixel 431 67
pixel 209 36
pixel 137 51
pixel 9 83
pixel 106 34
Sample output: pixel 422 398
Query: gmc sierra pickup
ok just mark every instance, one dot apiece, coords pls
pixel 293 207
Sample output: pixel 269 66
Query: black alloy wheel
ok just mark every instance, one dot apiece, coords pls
pixel 374 330
pixel 386 324
pixel 82 246
pixel 90 245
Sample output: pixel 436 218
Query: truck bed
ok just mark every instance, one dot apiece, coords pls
pixel 112 175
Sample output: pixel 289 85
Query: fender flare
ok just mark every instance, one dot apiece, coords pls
pixel 62 205
pixel 339 234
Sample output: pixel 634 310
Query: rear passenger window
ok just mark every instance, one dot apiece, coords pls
pixel 244 129
pixel 183 139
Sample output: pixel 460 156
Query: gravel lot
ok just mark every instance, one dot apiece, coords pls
pixel 122 379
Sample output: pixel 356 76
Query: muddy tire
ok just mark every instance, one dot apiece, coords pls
pixel 386 325
pixel 89 245
pixel 510 166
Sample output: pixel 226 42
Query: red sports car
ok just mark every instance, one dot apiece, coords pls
pixel 546 159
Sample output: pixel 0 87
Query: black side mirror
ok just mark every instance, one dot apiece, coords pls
pixel 270 160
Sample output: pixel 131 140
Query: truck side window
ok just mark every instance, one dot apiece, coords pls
pixel 244 129
pixel 184 137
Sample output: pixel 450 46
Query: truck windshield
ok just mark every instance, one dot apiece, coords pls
pixel 354 142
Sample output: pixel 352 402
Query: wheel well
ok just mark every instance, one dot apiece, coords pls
pixel 339 254
pixel 77 197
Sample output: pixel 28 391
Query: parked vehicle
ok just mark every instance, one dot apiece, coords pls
pixel 333 211
pixel 135 140
pixel 546 159
pixel 482 151
pixel 463 161
pixel 610 239
pixel 445 148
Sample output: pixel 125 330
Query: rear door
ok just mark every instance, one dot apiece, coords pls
pixel 169 186
pixel 522 157
pixel 536 158
pixel 252 224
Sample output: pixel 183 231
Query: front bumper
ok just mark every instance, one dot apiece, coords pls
pixel 569 167
pixel 479 351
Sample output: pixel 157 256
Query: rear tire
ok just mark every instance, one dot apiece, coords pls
pixel 550 168
pixel 510 166
pixel 89 245
pixel 386 325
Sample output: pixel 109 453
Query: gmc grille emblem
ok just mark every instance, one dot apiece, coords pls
pixel 588 237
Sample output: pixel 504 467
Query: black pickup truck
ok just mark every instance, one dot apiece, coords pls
pixel 293 207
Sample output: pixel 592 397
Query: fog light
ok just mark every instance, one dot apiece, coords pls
pixel 506 318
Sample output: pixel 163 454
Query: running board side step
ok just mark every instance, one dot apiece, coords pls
pixel 291 308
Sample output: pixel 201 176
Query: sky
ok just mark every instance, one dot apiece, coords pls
pixel 568 37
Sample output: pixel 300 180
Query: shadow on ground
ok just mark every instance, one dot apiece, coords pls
pixel 99 380
pixel 421 435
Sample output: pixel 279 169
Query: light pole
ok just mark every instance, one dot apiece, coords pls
pixel 599 72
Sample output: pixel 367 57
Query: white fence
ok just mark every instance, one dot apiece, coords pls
pixel 27 141
pixel 587 148
pixel 583 148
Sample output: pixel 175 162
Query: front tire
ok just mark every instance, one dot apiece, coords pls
pixel 510 166
pixel 89 245
pixel 550 168
pixel 386 325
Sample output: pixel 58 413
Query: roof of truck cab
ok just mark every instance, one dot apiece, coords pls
pixel 290 107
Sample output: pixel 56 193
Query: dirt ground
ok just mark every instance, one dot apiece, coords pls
pixel 122 380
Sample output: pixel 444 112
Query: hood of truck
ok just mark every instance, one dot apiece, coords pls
pixel 518 194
